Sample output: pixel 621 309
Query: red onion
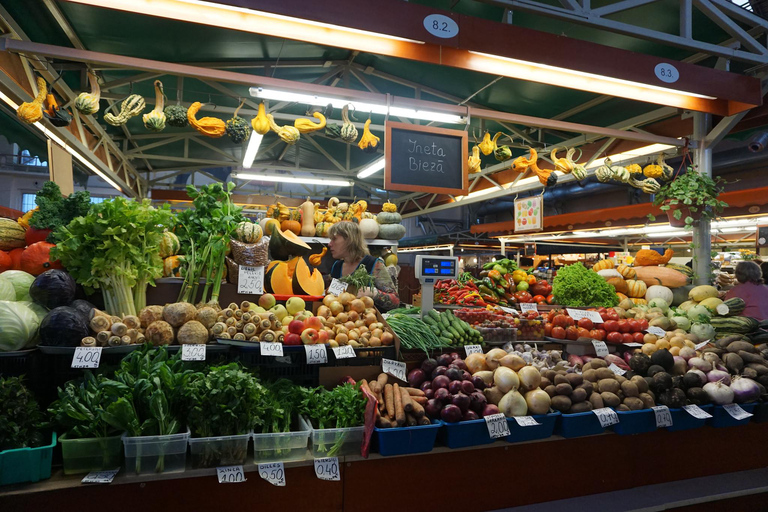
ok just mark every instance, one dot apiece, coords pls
pixel 699 364
pixel 720 394
pixel 744 390
pixel 575 361
pixel 719 376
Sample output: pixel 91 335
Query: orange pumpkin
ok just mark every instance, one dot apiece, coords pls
pixel 6 263
pixel 15 255
pixel 36 259
pixel 293 226
pixel 34 235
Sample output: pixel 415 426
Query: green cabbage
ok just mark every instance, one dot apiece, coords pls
pixel 21 281
pixel 37 309
pixel 18 326
pixel 7 291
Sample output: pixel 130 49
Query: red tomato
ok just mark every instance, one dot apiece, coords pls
pixel 623 325
pixel 539 299
pixel 586 323
pixel 550 299
pixel 612 314
pixel 547 329
pixel 558 332
pixel 614 337
pixel 611 326
pixel 583 333
pixel 638 337
pixel 603 334
pixel 601 311
pixel 634 326
pixel 572 333
pixel 570 321
pixel 643 325
pixel 627 338
pixel 561 321
pixel 597 334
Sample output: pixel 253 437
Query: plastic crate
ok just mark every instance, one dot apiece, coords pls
pixel 211 452
pixel 26 464
pixel 681 420
pixel 368 356
pixel 19 362
pixel 545 430
pixel 529 330
pixel 334 442
pixel 760 413
pixel 292 365
pixel 464 434
pixel 146 455
pixel 579 424
pixel 406 440
pixel 281 447
pixel 90 454
pixel 498 334
pixel 720 417
pixel 635 422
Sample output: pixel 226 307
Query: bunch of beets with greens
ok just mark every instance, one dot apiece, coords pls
pixel 342 407
pixel 54 210
pixel 21 419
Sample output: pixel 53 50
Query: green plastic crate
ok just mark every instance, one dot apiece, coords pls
pixel 26 464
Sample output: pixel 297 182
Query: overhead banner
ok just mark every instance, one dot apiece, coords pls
pixel 529 214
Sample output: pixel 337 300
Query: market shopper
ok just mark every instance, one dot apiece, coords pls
pixel 751 289
pixel 348 247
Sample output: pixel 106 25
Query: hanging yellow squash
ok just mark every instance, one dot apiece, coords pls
pixel 307 126
pixel 32 111
pixel 131 106
pixel 488 146
pixel 260 123
pixel 368 142
pixel 208 126
pixel 289 134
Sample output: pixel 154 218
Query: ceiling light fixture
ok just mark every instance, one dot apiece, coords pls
pixel 252 149
pixel 291 179
pixel 371 169
pixel 631 154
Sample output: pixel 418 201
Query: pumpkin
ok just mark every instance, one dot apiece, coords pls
pixel 208 126
pixel 269 226
pixel 278 279
pixel 619 284
pixel 391 231
pixel 663 276
pixel 659 292
pixel 36 235
pixel 6 262
pixel 176 116
pixel 169 244
pixel 248 232
pixel 626 271
pixel 15 255
pixel 88 103
pixel 638 302
pixel 131 106
pixel 621 296
pixel 389 208
pixel 653 171
pixel 11 235
pixel 291 225
pixel 602 265
pixel 348 130
pixel 307 281
pixel 307 218
pixel 32 111
pixel 155 120
pixel 368 142
pixel 260 123
pixel 389 218
pixel 636 288
pixel 321 228
pixel 36 259
pixel 369 228
pixel 285 244
pixel 316 259
pixel 634 169
pixel 172 266
pixel 648 257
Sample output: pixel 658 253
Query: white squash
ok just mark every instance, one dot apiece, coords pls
pixel 369 228
pixel 659 292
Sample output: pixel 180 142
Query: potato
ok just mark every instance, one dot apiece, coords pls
pixel 578 395
pixel 563 389
pixel 581 407
pixel 544 383
pixel 550 390
pixel 561 403
pixel 596 400
pixel 604 373
pixel 622 408
pixel 641 383
pixel 549 375
pixel 610 399
pixel 634 403
pixel 629 389
pixel 609 385
pixel 586 367
pixel 574 379
pixel 620 379
pixel 590 375
pixel 588 387
pixel 599 363
pixel 647 400
pixel 560 379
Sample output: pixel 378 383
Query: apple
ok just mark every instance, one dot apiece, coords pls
pixel 313 322
pixel 279 311
pixel 294 305
pixel 287 320
pixel 309 336
pixel 322 336
pixel 296 326
pixel 267 301
pixel 257 309
pixel 292 339
pixel 334 344
pixel 284 329
pixel 303 315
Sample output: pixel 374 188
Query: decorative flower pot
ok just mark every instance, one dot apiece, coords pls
pixel 686 212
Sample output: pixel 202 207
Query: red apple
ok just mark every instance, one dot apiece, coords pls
pixel 322 336
pixel 313 322
pixel 292 339
pixel 296 326
pixel 309 336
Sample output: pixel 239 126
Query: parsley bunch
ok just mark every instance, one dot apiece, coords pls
pixel 342 407
pixel 20 416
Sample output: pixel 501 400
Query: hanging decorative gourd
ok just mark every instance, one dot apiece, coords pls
pixel 653 171
pixel 156 119
pixel 56 115
pixel 547 177
pixel 238 129
pixel 488 145
pixel 568 165
pixel 368 142
pixel 131 106
pixel 603 174
pixel 289 134
pixel 666 171
pixel 634 169
pixel 32 111
pixel 209 126
pixel 474 161
pixel 348 131
pixel 648 185
pixel 358 209
pixel 306 126
pixel 502 153
pixel 176 116
pixel 260 123
pixel 88 103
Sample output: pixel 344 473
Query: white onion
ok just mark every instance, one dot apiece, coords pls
pixel 744 390
pixel 530 378
pixel 513 404
pixel 505 379
pixel 720 394
pixel 538 401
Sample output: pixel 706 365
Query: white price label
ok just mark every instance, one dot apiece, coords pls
pixel 394 368
pixel 578 314
pixel 497 425
pixel 473 349
pixel 100 477
pixel 528 306
pixel 658 331
pixel 273 473
pixel 271 349
pixel 316 354
pixel 344 352
pixel 526 421
pixel 250 280
pixel 337 287
pixel 193 352
pixel 327 469
pixel 617 369
pixel 737 412
pixel 441 26
pixel 601 349
pixel 702 345
pixel 511 311
pixel 667 73
pixel 633 344
pixel 230 474
pixel 86 357
pixel 606 416
pixel 663 416
pixel 697 412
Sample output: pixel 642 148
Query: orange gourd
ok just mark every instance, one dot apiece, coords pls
pixel 15 255
pixel 6 263
pixel 208 126
pixel 636 288
pixel 315 259
pixel 618 283
pixel 293 226
pixel 36 259
pixel 649 257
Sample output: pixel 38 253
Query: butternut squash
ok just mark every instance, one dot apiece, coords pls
pixel 307 218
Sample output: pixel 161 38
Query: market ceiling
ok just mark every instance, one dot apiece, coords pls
pixel 165 158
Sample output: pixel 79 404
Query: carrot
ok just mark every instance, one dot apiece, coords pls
pixel 410 420
pixel 425 421
pixel 382 380
pixel 383 422
pixel 418 410
pixel 421 400
pixel 389 400
pixel 406 398
pixel 415 392
pixel 364 384
pixel 399 412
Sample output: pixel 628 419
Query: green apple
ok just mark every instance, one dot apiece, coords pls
pixel 258 309
pixel 279 311
pixel 287 319
pixel 294 305
pixel 267 301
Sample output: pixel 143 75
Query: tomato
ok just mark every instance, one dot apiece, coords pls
pixel 558 332
pixel 547 329
pixel 614 337
pixel 539 299
pixel 603 333
pixel 583 333
pixel 572 333
pixel 634 326
pixel 570 321
pixel 623 325
pixel 586 323
pixel 596 334
pixel 601 311
pixel 561 321
pixel 611 326
pixel 643 325
pixel 638 337
pixel 627 338
pixel 550 299
pixel 612 314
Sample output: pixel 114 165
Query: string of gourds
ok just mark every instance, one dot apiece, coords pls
pixel 652 172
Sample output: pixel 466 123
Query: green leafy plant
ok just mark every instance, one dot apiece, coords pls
pixel 577 286
pixel 359 279
pixel 342 407
pixel 20 416
pixel 693 190
pixel 54 210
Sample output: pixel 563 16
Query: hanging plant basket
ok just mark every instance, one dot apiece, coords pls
pixel 685 212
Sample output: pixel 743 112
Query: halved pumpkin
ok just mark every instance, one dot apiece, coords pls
pixel 285 244
pixel 277 280
pixel 306 281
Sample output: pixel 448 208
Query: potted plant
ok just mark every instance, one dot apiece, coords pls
pixel 689 198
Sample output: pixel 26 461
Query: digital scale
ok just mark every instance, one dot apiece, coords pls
pixel 430 269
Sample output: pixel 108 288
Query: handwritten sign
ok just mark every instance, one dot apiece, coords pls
pixel 658 331
pixel 526 421
pixel 616 369
pixel 344 352
pixel 606 416
pixel 737 412
pixel 663 416
pixel 250 280
pixel 601 349
pixel 697 412
pixel 394 368
pixel 337 287
pixel 327 469
pixel 633 344
pixel 271 349
pixel 273 473
pixel 230 474
pixel 100 477
pixel 86 357
pixel 316 354
pixel 529 306
pixel 511 311
pixel 473 349
pixel 193 352
pixel 578 314
pixel 702 345
pixel 497 425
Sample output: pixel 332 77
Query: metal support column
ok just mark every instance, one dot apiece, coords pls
pixel 503 247
pixel 702 239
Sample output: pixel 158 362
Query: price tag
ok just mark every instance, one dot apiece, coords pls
pixel 316 354
pixel 394 368
pixel 473 349
pixel 271 349
pixel 606 416
pixel 601 349
pixel 337 287
pixel 511 311
pixel 327 469
pixel 441 26
pixel 100 477
pixel 663 416
pixel 86 357
pixel 528 306
pixel 633 344
pixel 658 331
pixel 616 369
pixel 578 314
pixel 737 412
pixel 497 425
pixel 230 474
pixel 273 473
pixel 250 280
pixel 526 421
pixel 344 352
pixel 702 345
pixel 697 412
pixel 193 352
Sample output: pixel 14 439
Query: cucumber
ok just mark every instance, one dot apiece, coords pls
pixel 429 320
pixel 434 315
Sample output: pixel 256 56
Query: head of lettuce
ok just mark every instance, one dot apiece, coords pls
pixel 18 326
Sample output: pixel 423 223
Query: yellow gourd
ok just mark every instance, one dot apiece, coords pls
pixel 315 259
pixel 652 171
pixel 208 126
pixel 488 146
pixel 289 134
pixel 474 160
pixel 32 111
pixel 603 265
pixel 359 209
pixel 260 123
pixel 389 207
pixel 317 215
pixel 546 176
pixel 634 169
pixel 368 142
pixel 306 126
pixel 155 120
pixel 307 218
pixel 561 164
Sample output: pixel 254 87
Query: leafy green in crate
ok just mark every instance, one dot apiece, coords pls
pixel 20 416
pixel 342 407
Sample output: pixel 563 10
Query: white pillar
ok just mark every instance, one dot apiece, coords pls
pixel 702 238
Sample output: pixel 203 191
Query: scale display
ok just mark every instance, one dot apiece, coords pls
pixel 437 267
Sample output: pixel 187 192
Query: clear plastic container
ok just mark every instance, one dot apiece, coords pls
pixel 90 454
pixel 529 330
pixel 211 452
pixel 334 442
pixel 498 334
pixel 155 454
pixel 281 447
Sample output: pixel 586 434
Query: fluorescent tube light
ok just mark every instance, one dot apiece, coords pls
pixel 252 149
pixel 629 155
pixel 372 169
pixel 665 234
pixel 290 179
pixel 427 248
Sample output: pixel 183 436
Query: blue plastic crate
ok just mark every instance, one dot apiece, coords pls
pixel 26 464
pixel 635 422
pixel 464 434
pixel 761 413
pixel 578 425
pixel 720 417
pixel 681 420
pixel 406 440
pixel 543 431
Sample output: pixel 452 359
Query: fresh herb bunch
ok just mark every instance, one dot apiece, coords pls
pixel 696 191
pixel 20 416
pixel 360 278
pixel 577 286
pixel 79 410
pixel 342 407
pixel 54 210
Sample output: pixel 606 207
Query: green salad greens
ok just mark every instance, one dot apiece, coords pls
pixel 342 407
pixel 577 286
pixel 20 416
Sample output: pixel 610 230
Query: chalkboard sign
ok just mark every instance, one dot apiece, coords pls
pixel 425 159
